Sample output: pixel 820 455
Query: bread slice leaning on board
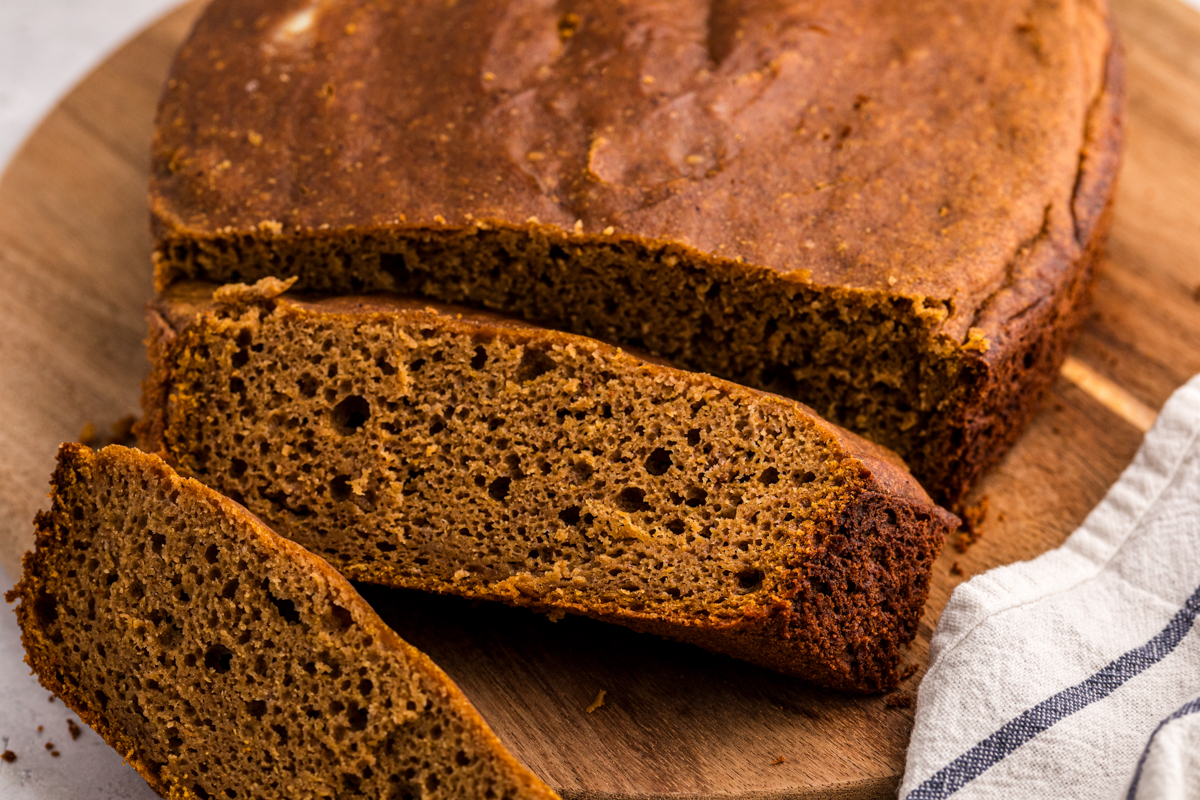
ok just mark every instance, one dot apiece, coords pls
pixel 438 448
pixel 222 660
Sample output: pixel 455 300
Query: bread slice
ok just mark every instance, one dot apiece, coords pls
pixel 223 661
pixel 436 448
pixel 889 210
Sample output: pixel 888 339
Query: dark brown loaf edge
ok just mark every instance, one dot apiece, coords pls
pixel 1041 322
pixel 75 465
pixel 858 594
pixel 847 596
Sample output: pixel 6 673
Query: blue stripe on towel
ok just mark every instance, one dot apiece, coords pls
pixel 1016 732
pixel 1188 708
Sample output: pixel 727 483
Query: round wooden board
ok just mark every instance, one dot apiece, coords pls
pixel 676 722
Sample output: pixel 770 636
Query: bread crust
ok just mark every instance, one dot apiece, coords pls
pixel 1034 321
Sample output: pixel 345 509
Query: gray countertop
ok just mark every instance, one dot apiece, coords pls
pixel 48 45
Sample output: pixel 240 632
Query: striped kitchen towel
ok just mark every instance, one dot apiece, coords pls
pixel 1077 674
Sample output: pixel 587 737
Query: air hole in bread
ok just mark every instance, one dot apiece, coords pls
pixel 750 579
pixel 658 462
pixel 513 462
pixel 357 717
pixel 534 364
pixel 286 608
pixel 339 488
pixel 632 499
pixel 350 414
pixel 218 658
pixel 498 489
pixel 342 617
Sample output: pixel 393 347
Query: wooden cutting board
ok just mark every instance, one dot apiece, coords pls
pixel 675 722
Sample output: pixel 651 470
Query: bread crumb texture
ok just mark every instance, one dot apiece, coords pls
pixel 225 662
pixel 422 447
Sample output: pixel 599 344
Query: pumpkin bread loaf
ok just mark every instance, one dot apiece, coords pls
pixel 224 661
pixel 888 209
pixel 438 448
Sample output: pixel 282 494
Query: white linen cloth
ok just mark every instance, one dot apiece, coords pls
pixel 1077 674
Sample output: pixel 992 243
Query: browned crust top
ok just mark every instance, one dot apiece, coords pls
pixel 910 148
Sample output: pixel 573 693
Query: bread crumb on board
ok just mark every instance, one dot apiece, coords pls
pixel 9 756
pixel 972 524
pixel 599 701
pixel 955 569
pixel 74 729
pixel 778 761
pixel 899 700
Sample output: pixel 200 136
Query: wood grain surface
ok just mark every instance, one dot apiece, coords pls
pixel 675 722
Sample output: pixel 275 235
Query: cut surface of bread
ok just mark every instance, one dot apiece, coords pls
pixel 223 661
pixel 436 448
pixel 887 209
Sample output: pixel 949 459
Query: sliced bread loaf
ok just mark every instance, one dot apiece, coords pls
pixel 441 449
pixel 887 209
pixel 223 661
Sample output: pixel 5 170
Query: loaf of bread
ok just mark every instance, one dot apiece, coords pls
pixel 437 448
pixel 223 661
pixel 886 209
